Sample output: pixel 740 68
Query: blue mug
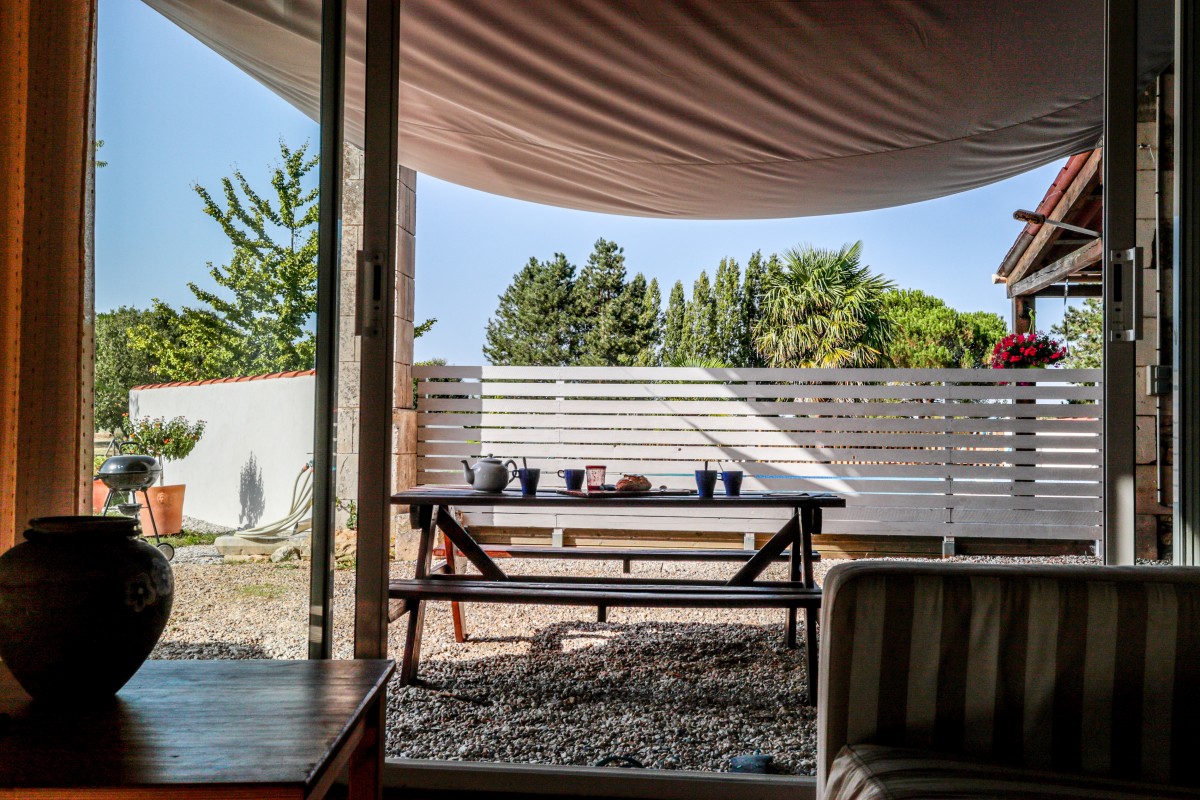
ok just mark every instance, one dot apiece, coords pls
pixel 529 480
pixel 573 478
pixel 733 482
pixel 706 481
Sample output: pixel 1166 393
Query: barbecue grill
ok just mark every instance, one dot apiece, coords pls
pixel 128 475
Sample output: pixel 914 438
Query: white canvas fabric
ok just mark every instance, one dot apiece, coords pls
pixel 710 108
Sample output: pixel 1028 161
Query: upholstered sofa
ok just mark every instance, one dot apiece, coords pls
pixel 977 681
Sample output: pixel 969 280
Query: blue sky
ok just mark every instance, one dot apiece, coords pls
pixel 173 113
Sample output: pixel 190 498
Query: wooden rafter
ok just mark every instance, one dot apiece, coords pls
pixel 1083 185
pixel 1056 271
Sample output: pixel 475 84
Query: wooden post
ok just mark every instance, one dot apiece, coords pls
pixel 46 313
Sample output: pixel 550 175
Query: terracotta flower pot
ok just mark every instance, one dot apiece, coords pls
pixel 167 504
pixel 99 495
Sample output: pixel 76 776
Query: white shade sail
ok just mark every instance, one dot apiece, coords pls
pixel 711 108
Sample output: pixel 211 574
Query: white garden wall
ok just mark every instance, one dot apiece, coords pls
pixel 259 435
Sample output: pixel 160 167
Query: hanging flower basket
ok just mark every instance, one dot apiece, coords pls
pixel 1027 350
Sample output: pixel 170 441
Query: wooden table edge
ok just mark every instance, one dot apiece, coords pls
pixel 351 736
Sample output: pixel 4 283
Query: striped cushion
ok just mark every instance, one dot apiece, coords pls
pixel 877 772
pixel 1090 670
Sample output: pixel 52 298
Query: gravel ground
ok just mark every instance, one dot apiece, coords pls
pixel 672 688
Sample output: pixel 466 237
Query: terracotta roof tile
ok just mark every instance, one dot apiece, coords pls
pixel 238 379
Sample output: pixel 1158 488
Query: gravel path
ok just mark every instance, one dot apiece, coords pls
pixel 672 688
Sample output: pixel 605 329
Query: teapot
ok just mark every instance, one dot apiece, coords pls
pixel 488 474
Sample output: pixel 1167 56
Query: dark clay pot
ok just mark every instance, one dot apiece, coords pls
pixel 82 603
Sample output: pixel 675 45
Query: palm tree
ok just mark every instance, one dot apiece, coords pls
pixel 824 308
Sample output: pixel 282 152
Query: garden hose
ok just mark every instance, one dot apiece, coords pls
pixel 299 518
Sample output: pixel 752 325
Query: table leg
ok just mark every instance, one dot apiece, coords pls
pixel 810 526
pixel 366 762
pixel 470 548
pixel 416 608
pixel 794 574
pixel 456 611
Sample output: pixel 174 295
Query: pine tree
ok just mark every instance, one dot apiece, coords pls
pixel 614 329
pixel 752 294
pixel 261 322
pixel 1081 331
pixel 651 325
pixel 675 327
pixel 701 343
pixel 727 291
pixel 534 322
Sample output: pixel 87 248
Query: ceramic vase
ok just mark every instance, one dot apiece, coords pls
pixel 83 601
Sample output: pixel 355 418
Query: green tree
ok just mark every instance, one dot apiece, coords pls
pixel 1082 331
pixel 675 326
pixel 727 297
pixel 613 327
pixel 928 334
pixel 261 323
pixel 119 365
pixel 534 323
pixel 701 341
pixel 824 308
pixel 752 298
pixel 650 324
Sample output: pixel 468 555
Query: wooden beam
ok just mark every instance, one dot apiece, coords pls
pixel 1085 182
pixel 1076 290
pixel 1066 266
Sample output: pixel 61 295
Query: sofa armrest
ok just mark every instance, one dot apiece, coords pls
pixel 1077 669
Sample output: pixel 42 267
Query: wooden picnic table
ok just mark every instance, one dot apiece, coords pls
pixel 432 510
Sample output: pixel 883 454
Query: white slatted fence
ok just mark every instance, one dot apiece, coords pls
pixel 950 452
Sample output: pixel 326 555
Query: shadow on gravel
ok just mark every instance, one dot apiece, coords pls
pixel 671 695
pixel 207 650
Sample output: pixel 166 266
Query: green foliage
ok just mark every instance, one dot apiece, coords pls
pixel 675 326
pixel 650 325
pixel 824 308
pixel 613 330
pixel 727 298
pixel 534 324
pixel 433 362
pixel 261 324
pixel 1082 331
pixel 119 365
pixel 165 439
pixel 549 317
pixel 96 150
pixel 928 334
pixel 424 328
pixel 351 509
pixel 701 322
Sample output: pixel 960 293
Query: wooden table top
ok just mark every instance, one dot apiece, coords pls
pixel 181 723
pixel 462 496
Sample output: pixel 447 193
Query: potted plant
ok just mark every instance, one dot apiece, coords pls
pixel 166 440
pixel 1027 350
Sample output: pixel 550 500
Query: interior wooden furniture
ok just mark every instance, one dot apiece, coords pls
pixel 245 730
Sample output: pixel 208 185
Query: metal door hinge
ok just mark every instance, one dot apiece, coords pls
pixel 1124 282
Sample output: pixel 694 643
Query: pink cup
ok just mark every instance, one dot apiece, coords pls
pixel 595 478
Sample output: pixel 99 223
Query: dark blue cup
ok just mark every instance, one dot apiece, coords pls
pixel 706 481
pixel 529 480
pixel 573 478
pixel 733 482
